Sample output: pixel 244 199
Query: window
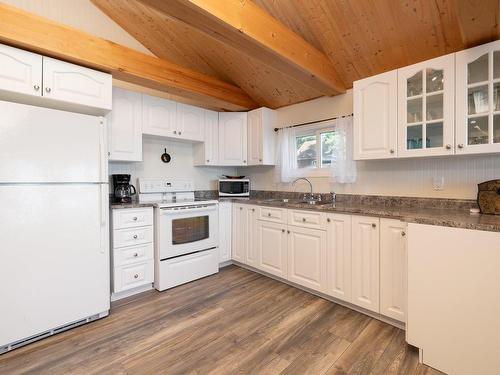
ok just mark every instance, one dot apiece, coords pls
pixel 314 148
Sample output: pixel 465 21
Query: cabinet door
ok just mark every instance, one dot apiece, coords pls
pixel 211 137
pixel 272 248
pixel 72 83
pixel 225 225
pixel 365 262
pixel 478 99
pixel 233 138
pixel 190 122
pixel 375 117
pixel 426 108
pixel 159 116
pixel 307 257
pixel 239 233
pixel 255 137
pixel 338 256
pixel 393 269
pixel 21 72
pixel 125 126
pixel 251 253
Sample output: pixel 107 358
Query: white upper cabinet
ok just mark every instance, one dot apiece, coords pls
pixel 375 117
pixel 207 152
pixel 190 122
pixel 233 138
pixel 72 83
pixel 426 108
pixel 159 116
pixel 478 99
pixel 365 262
pixel 261 136
pixel 393 269
pixel 125 126
pixel 21 72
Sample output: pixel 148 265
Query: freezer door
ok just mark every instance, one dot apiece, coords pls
pixel 54 257
pixel 46 145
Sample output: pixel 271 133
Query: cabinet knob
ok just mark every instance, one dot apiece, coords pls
pixel 244 161
pixel 136 276
pixel 304 219
pixel 48 89
pixel 175 131
pixel 269 214
pixel 448 147
pixel 134 218
pixel 288 231
pixel 136 255
pixel 36 87
pixel 253 209
pixel 179 133
pixel 241 208
pixel 391 151
pixel 260 160
pixel 208 160
pixel 374 225
pixel 135 236
pixel 328 220
pixel 403 233
pixel 283 230
pixel 460 145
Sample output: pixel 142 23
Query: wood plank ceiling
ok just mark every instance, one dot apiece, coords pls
pixel 360 38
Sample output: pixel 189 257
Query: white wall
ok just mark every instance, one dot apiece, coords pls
pixel 82 15
pixel 181 165
pixel 409 177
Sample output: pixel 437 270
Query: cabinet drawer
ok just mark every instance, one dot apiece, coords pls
pixel 132 236
pixel 133 254
pixel 132 276
pixel 307 219
pixel 132 217
pixel 276 215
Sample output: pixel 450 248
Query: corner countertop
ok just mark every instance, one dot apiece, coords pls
pixel 442 217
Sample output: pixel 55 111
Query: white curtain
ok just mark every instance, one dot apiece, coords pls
pixel 285 159
pixel 343 170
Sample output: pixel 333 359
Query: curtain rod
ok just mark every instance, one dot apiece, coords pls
pixel 313 122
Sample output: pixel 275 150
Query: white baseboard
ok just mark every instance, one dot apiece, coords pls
pixel 131 292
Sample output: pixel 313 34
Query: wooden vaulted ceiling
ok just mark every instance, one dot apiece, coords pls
pixel 359 38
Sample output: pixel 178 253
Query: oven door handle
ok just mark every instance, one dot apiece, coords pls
pixel 172 211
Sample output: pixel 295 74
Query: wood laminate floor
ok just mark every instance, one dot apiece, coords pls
pixel 234 322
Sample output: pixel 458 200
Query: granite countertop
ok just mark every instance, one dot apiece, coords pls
pixel 457 218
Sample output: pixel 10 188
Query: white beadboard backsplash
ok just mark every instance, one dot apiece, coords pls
pixel 181 165
pixel 398 177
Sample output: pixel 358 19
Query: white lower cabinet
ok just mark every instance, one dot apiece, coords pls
pixel 225 232
pixel 132 250
pixel 338 256
pixel 307 257
pixel 365 262
pixel 393 269
pixel 272 248
pixel 243 241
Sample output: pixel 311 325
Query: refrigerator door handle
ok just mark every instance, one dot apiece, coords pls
pixel 103 209
pixel 103 151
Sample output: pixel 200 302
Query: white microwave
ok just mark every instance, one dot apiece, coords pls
pixel 232 187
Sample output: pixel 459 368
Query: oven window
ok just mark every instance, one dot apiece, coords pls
pixel 233 187
pixel 190 229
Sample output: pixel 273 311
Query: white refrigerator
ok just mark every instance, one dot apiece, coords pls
pixel 54 239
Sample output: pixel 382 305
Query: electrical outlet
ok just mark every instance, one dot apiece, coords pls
pixel 438 183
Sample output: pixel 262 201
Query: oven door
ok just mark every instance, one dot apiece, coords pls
pixel 186 230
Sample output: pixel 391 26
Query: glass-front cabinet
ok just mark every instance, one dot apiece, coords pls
pixel 478 99
pixel 426 108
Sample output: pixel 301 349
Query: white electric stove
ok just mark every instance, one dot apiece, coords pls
pixel 186 231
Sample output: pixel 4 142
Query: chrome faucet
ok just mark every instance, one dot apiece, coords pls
pixel 311 196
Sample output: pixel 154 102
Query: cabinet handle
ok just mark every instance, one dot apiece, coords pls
pixel 403 233
pixel 304 219
pixel 134 218
pixel 36 87
pixel 48 89
pixel 374 225
pixel 460 145
pixel 391 151
pixel 136 276
pixel 328 220
pixel 135 236
pixel 136 255
pixel 448 147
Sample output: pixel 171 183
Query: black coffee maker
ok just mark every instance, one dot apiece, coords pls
pixel 122 190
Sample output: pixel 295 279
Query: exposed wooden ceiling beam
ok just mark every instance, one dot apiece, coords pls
pixel 478 20
pixel 25 30
pixel 249 29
